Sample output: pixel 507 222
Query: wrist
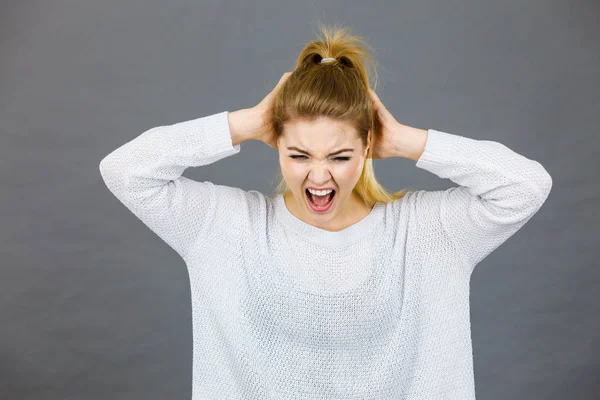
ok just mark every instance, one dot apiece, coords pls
pixel 243 125
pixel 409 142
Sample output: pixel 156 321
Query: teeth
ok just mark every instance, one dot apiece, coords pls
pixel 320 192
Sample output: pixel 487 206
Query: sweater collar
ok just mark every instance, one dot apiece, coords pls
pixel 353 232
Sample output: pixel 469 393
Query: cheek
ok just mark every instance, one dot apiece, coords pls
pixel 344 176
pixel 292 172
pixel 351 171
pixel 295 170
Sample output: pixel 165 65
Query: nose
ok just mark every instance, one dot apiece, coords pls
pixel 319 172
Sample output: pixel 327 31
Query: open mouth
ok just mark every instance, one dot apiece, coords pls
pixel 320 203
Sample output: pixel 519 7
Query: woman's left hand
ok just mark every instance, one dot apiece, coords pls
pixel 383 144
pixel 395 139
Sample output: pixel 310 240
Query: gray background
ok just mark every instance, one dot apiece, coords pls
pixel 95 306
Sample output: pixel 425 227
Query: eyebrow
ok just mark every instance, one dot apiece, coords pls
pixel 307 153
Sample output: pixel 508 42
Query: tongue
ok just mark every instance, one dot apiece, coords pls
pixel 322 200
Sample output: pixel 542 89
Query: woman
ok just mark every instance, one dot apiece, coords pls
pixel 332 288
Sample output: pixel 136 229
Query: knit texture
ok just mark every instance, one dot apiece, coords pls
pixel 285 310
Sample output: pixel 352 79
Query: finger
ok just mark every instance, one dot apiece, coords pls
pixel 382 111
pixel 279 84
pixel 284 77
pixel 377 104
pixel 375 97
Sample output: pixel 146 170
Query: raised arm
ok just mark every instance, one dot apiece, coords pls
pixel 499 191
pixel 145 174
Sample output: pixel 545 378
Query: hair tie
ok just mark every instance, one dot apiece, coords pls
pixel 324 60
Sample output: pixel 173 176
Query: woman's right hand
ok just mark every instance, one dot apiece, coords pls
pixel 263 109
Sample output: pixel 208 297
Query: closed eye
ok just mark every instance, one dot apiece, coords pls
pixel 340 159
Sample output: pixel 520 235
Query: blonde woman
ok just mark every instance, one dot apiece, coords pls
pixel 331 287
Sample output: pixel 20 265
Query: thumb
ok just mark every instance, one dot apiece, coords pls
pixel 381 110
pixel 283 79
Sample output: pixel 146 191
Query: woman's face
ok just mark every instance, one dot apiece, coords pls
pixel 324 153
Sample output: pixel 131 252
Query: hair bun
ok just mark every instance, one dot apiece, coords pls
pixel 344 61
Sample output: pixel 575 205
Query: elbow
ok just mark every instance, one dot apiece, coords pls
pixel 538 181
pixel 110 175
pixel 543 183
pixel 546 187
pixel 104 167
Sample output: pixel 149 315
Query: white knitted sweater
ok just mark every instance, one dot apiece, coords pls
pixel 285 310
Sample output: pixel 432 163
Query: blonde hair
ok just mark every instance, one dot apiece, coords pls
pixel 338 90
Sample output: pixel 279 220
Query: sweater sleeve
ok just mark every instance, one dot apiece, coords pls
pixel 145 174
pixel 499 191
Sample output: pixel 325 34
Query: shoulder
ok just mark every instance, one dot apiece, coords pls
pixel 236 205
pixel 420 209
pixel 233 216
pixel 419 201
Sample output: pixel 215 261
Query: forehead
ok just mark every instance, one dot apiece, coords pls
pixel 322 132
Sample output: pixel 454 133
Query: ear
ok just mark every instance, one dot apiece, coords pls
pixel 368 142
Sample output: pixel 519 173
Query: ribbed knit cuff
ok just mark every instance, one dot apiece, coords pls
pixel 217 134
pixel 438 147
